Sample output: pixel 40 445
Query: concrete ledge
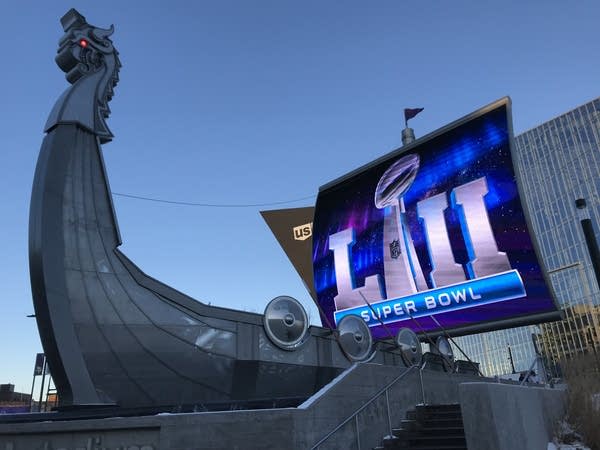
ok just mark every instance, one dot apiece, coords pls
pixel 297 428
pixel 507 417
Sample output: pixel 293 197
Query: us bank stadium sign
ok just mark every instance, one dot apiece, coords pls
pixel 433 230
pixel 302 232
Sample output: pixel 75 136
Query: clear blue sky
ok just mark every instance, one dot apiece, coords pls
pixel 258 101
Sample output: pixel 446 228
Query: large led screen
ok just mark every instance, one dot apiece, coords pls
pixel 432 237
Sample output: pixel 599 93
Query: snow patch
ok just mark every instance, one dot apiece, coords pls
pixel 552 446
pixel 565 432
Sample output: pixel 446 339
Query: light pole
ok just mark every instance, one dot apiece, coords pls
pixel 590 237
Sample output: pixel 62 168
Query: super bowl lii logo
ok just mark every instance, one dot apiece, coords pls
pixel 403 293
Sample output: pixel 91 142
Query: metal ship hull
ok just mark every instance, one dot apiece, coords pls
pixel 113 335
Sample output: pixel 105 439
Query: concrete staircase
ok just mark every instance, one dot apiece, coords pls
pixel 429 427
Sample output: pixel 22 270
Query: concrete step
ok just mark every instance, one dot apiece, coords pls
pixel 434 447
pixel 426 415
pixel 440 414
pixel 391 444
pixel 433 431
pixel 409 425
pixel 440 407
pixel 403 446
pixel 429 427
pixel 436 440
pixel 436 424
pixel 439 423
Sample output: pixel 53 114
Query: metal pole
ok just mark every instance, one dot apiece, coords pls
pixel 539 358
pixel 47 392
pixel 31 396
pixel 408 135
pixel 510 357
pixel 357 431
pixel 568 266
pixel 387 402
pixel 43 381
pixel 422 387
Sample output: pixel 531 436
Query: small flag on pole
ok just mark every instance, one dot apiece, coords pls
pixel 409 113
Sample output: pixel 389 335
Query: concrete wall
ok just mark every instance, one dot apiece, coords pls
pixel 438 387
pixel 296 428
pixel 509 417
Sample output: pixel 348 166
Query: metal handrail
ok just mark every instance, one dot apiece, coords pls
pixel 359 410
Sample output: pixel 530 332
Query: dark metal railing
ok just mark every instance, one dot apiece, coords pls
pixel 354 416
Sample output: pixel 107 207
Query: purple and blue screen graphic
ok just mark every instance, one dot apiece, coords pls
pixel 437 230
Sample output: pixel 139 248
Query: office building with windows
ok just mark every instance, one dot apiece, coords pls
pixel 558 162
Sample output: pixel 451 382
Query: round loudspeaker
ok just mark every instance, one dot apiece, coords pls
pixel 286 322
pixel 445 349
pixel 355 338
pixel 410 347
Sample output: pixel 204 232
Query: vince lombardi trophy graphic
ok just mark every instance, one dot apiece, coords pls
pixel 402 271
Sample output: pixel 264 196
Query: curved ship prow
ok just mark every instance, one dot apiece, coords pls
pixel 112 334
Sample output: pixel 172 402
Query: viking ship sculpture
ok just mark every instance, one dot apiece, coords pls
pixel 115 336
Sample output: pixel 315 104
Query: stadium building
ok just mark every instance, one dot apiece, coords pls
pixel 12 402
pixel 559 162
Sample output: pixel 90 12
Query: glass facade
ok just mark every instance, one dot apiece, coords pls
pixel 558 162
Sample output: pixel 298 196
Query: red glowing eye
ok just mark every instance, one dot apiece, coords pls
pixel 83 43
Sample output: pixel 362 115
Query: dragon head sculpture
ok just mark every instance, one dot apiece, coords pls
pixel 91 64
